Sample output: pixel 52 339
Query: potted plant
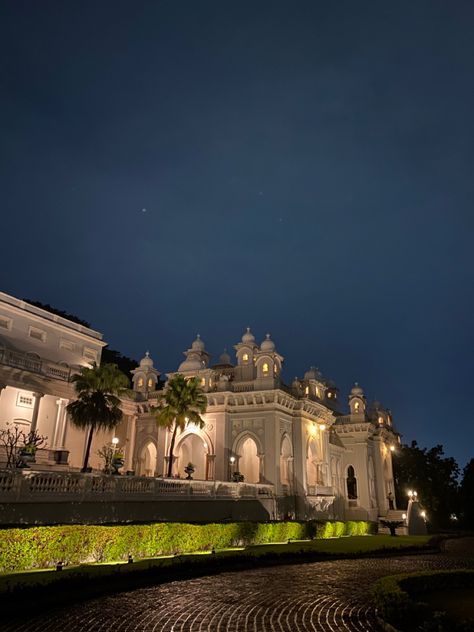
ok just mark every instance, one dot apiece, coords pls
pixel 189 469
pixel 118 460
pixel 237 477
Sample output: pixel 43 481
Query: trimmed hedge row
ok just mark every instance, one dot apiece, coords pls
pixel 398 599
pixel 42 547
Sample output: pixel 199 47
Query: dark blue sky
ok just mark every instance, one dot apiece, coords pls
pixel 306 169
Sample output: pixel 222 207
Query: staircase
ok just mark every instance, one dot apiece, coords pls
pixel 393 514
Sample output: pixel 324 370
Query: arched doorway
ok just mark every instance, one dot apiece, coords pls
pixel 249 463
pixel 148 460
pixel 191 449
pixel 286 457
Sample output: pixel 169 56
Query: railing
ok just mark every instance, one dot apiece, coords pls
pixel 25 362
pixel 20 486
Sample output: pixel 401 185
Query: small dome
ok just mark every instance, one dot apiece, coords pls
pixel 198 344
pixel 312 374
pixel 248 336
pixel 357 391
pixel 376 405
pixel 224 358
pixel 267 344
pixel 146 361
pixel 296 383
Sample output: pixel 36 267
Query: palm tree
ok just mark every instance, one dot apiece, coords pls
pixel 184 402
pixel 97 406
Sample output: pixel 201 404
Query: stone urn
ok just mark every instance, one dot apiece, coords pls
pixel 189 469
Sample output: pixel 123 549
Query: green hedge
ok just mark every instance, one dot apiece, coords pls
pixel 42 547
pixel 398 598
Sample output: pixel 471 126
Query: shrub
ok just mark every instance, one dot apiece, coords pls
pixel 42 547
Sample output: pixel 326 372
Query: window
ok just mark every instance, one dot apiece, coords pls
pixel 37 334
pixel 380 420
pixel 203 381
pixel 306 390
pixel 150 382
pixel 89 354
pixel 140 382
pixel 265 368
pixel 67 344
pixel 245 357
pixel 356 407
pixel 329 394
pixel 351 484
pixel 318 392
pixel 5 323
pixel 24 400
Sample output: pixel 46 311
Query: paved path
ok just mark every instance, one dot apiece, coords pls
pixel 321 596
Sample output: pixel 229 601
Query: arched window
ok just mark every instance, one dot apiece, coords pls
pixel 245 357
pixel 150 382
pixel 249 463
pixel 356 407
pixel 351 482
pixel 265 368
pixel 285 461
pixel 140 382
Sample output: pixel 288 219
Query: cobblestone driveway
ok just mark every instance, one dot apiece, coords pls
pixel 325 596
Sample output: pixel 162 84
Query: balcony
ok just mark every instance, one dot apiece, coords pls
pixel 25 362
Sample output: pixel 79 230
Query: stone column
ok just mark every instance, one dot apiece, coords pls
pixel 34 416
pixel 59 429
pixel 261 471
pixel 131 434
pixel 210 459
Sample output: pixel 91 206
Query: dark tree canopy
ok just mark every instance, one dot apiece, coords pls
pixel 467 495
pixel 434 477
pixel 58 312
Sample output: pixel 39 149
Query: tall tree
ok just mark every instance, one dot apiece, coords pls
pixel 97 406
pixel 467 495
pixel 433 475
pixel 183 403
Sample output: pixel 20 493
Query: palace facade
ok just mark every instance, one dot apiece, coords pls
pixel 322 456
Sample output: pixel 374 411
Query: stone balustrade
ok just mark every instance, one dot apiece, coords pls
pixel 25 362
pixel 17 486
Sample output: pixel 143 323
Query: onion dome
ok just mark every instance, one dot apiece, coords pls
pixel 224 358
pixel 146 361
pixel 357 391
pixel 267 344
pixel 248 336
pixel 190 364
pixel 198 344
pixel 312 374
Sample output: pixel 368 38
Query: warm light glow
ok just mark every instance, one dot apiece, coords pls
pixel 410 493
pixel 415 494
pixel 265 368
pixel 423 514
pixel 186 419
pixel 356 407
pixel 232 459
pixel 322 426
pixel 115 440
pixel 205 445
pixel 245 357
pixel 404 516
pixel 329 394
pixel 306 390
pixel 312 429
pixel 392 448
pixel 380 420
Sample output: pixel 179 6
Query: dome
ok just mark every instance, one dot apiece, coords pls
pixel 190 364
pixel 312 374
pixel 357 391
pixel 248 336
pixel 146 361
pixel 267 344
pixel 198 344
pixel 224 358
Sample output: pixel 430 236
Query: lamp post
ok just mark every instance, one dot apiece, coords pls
pixel 232 463
pixel 416 518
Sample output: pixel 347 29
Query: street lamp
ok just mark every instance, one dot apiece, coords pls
pixel 115 441
pixel 232 461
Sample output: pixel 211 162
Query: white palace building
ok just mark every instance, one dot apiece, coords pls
pixel 320 455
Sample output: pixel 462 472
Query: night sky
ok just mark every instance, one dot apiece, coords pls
pixel 304 168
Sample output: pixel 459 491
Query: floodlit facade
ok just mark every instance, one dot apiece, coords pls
pixel 319 460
